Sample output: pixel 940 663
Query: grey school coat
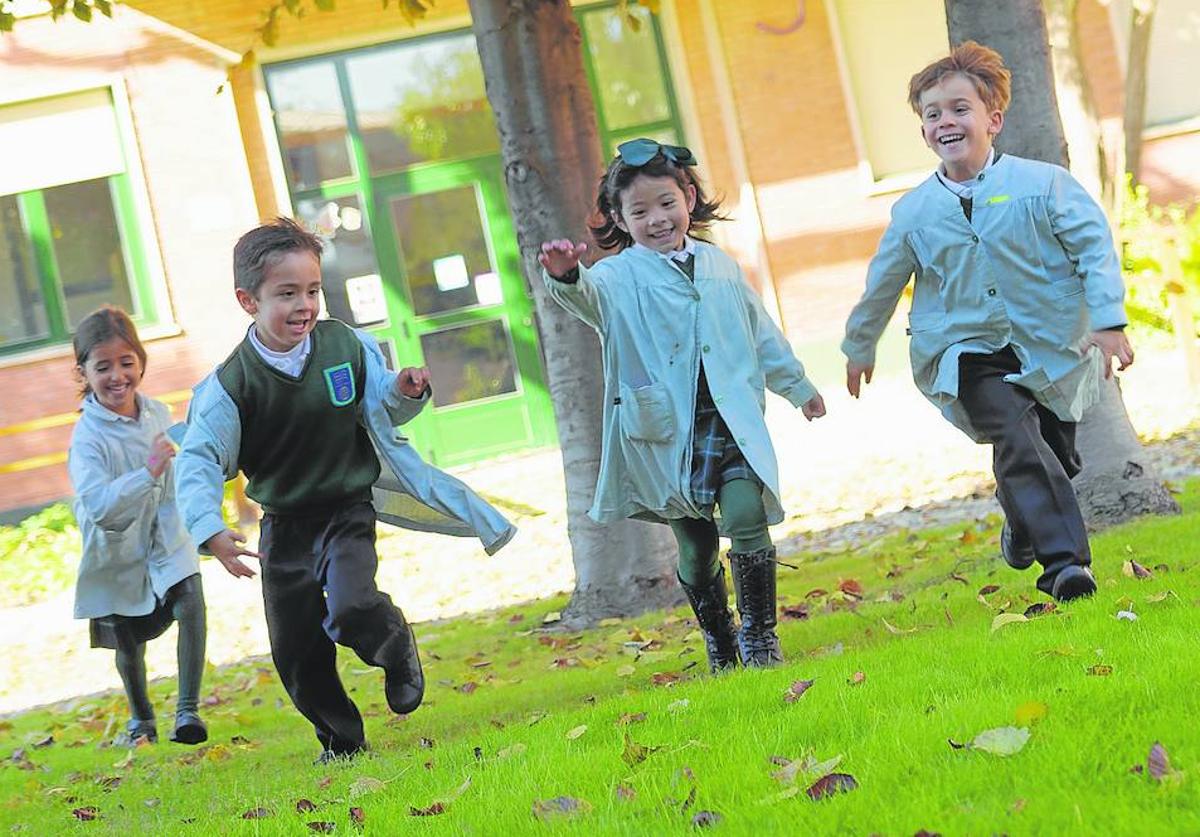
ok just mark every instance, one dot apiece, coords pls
pixel 655 326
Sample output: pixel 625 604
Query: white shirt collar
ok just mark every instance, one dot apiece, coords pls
pixel 689 249
pixel 290 362
pixel 965 189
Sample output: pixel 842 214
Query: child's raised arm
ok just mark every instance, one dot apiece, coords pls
pixel 568 281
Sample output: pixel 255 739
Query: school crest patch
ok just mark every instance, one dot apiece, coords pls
pixel 340 382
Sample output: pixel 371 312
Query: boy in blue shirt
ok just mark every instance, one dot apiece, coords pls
pixel 1017 308
pixel 306 409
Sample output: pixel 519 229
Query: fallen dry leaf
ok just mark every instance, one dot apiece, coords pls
pixel 665 678
pixel 704 819
pixel 796 690
pixel 322 827
pixel 1002 741
pixel 625 793
pixel 830 785
pixel 1003 619
pixel 1157 763
pixel 851 588
pixel 857 678
pixel 357 816
pixel 797 611
pixel 305 806
pixel 432 811
pixel 629 718
pixel 635 753
pixel 1030 712
pixel 86 814
pixel 1133 569
pixel 1100 670
pixel 574 733
pixel 364 785
pixel 560 806
pixel 256 814
pixel 1040 609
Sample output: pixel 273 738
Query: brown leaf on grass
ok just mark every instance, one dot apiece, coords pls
pixel 924 832
pixel 816 593
pixel 240 740
pixel 109 783
pixel 86 814
pixel 357 816
pixel 324 782
pixel 988 589
pixel 968 536
pixel 629 718
pixel 560 806
pixel 322 827
pixel 954 745
pixel 830 785
pixel 1100 670
pixel 796 690
pixel 796 611
pixel 851 587
pixel 1157 763
pixel 256 814
pixel 44 742
pixel 364 785
pixel 1040 609
pixel 892 629
pixel 305 806
pixel 961 579
pixel 665 678
pixel 1133 569
pixel 625 793
pixel 704 819
pixel 432 811
pixel 857 678
pixel 425 743
pixel 635 753
pixel 576 732
pixel 468 687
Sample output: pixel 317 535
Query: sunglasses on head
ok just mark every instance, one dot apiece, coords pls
pixel 638 152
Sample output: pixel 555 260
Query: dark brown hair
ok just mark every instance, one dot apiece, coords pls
pixel 265 246
pixel 617 179
pixel 982 65
pixel 100 326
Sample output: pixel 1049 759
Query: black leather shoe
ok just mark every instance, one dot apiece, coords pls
pixel 1073 582
pixel 189 729
pixel 403 680
pixel 710 603
pixel 1017 552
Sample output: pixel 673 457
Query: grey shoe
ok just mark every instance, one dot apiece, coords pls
pixel 189 729
pixel 136 730
pixel 754 586
pixel 1017 552
pixel 1073 582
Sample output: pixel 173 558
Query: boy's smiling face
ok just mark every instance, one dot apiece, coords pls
pixel 957 125
pixel 286 305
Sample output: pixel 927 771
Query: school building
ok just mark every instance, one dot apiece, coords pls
pixel 138 149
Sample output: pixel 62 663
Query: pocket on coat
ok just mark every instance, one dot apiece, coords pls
pixel 928 321
pixel 646 413
pixel 1063 288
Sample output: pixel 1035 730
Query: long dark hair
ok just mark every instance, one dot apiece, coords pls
pixel 617 179
pixel 100 326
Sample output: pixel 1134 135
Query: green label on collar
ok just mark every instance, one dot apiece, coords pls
pixel 997 199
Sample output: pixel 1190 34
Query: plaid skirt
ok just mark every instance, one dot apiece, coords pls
pixel 115 631
pixel 716 458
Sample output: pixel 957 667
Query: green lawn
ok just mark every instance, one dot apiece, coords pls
pixel 619 731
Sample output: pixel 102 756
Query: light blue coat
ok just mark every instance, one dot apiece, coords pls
pixel 410 492
pixel 655 325
pixel 135 546
pixel 1034 268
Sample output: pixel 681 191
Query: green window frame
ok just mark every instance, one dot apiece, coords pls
pixel 39 234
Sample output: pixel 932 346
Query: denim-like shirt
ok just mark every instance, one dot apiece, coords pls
pixel 135 546
pixel 655 325
pixel 410 492
pixel 1034 268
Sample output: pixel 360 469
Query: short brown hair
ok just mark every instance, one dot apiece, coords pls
pixel 982 65
pixel 264 246
pixel 103 325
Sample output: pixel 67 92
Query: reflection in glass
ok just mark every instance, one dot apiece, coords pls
pixel 312 123
pixel 421 102
pixel 469 362
pixel 349 254
pixel 87 248
pixel 22 309
pixel 443 247
pixel 629 72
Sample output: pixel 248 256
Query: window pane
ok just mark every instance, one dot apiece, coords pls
pixel 443 247
pixel 312 123
pixel 629 73
pixel 469 362
pixel 349 272
pixel 87 248
pixel 22 309
pixel 421 102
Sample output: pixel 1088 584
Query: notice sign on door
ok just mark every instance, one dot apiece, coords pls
pixel 365 294
pixel 450 273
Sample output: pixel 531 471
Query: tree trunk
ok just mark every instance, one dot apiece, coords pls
pixel 533 69
pixel 1141 22
pixel 1117 481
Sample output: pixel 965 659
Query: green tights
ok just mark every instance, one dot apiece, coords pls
pixel 745 519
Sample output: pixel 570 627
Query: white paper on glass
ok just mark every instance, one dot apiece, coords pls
pixel 487 289
pixel 450 273
pixel 365 294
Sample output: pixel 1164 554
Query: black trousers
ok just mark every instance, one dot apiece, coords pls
pixel 318 580
pixel 1034 458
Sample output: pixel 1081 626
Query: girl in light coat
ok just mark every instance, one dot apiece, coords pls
pixel 139 570
pixel 688 350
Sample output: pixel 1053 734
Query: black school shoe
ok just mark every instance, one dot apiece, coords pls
pixel 403 680
pixel 1018 553
pixel 189 729
pixel 135 731
pixel 1073 582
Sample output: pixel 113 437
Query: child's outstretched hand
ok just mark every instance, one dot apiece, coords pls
pixel 561 256
pixel 412 381
pixel 162 451
pixel 1113 343
pixel 855 373
pixel 814 407
pixel 226 546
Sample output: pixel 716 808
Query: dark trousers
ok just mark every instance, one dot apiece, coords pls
pixel 318 579
pixel 1034 459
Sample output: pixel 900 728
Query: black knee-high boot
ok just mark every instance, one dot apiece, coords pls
pixel 754 583
pixel 710 603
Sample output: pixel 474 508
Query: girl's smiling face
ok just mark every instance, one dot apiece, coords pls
pixel 113 371
pixel 656 212
pixel 956 124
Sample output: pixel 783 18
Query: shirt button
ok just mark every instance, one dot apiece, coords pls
pixel 741 441
pixel 991 291
pixel 975 239
pixel 718 399
pixel 704 348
